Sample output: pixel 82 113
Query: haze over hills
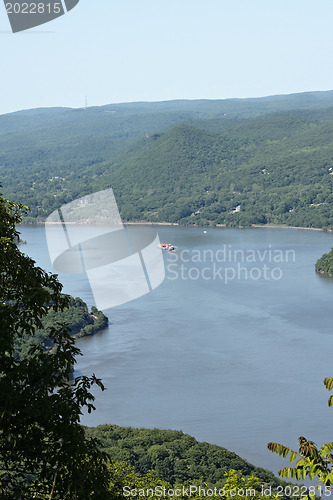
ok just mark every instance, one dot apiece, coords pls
pixel 234 162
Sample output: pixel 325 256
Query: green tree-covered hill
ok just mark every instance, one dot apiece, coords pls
pixel 277 169
pixel 236 162
pixel 173 456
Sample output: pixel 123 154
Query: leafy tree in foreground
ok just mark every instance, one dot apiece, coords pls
pixel 44 452
pixel 126 483
pixel 312 462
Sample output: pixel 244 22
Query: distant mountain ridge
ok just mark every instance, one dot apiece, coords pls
pixel 280 102
pixel 191 162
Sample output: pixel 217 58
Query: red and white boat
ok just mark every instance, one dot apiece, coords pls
pixel 166 246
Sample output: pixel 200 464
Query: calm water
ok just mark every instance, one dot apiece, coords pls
pixel 238 364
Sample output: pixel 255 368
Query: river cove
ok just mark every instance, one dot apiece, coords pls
pixel 239 362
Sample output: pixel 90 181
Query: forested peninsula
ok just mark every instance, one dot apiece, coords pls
pixel 77 318
pixel 174 457
pixel 324 265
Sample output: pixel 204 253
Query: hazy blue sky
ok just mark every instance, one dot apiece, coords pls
pixel 131 50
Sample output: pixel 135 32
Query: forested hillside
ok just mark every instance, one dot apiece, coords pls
pixel 276 169
pixel 174 456
pixel 235 162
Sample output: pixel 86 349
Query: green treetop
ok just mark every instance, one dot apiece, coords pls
pixel 44 452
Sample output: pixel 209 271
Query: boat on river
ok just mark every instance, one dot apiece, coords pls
pixel 166 246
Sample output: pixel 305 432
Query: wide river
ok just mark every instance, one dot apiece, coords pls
pixel 231 348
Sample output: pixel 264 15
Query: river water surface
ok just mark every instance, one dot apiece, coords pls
pixel 237 362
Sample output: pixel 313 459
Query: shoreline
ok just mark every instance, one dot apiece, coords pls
pixel 291 227
pixel 127 223
pixel 148 223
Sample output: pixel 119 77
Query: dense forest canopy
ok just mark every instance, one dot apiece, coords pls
pixel 174 456
pixel 236 162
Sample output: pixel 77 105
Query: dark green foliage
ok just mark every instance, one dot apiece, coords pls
pixel 173 456
pixel 77 319
pixel 43 448
pixel 325 264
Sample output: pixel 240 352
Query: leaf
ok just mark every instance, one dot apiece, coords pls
pixel 330 401
pixel 329 478
pixel 326 448
pixel 302 462
pixel 286 472
pixel 293 456
pixel 328 382
pixel 279 449
pixel 308 448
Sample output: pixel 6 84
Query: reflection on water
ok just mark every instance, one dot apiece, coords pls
pixel 237 364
